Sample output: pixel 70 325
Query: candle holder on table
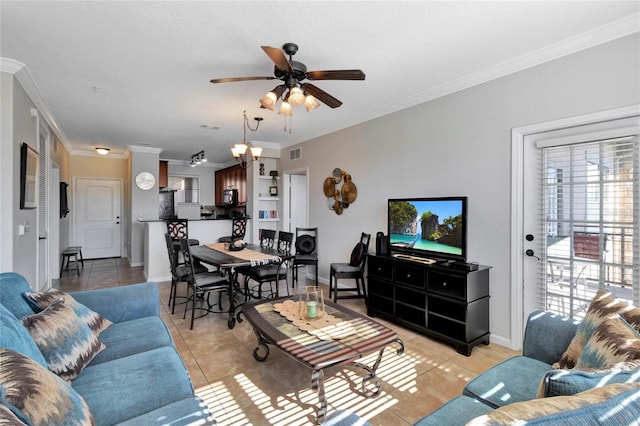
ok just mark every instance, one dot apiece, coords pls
pixel 311 303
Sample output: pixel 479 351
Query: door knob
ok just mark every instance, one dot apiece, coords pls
pixel 531 253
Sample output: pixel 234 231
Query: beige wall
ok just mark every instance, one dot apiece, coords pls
pixel 97 167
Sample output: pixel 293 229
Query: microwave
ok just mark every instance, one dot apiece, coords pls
pixel 230 197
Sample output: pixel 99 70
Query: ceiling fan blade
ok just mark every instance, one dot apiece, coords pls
pixel 278 58
pixel 232 79
pixel 336 75
pixel 321 95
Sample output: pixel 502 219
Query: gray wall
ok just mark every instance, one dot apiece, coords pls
pixel 460 144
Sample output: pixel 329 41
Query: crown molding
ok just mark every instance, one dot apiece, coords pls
pixel 24 77
pixel 145 149
pixel 617 29
pixel 110 156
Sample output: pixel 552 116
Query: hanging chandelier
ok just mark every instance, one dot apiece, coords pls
pixel 245 153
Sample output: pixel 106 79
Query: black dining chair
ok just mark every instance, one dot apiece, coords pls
pixel 306 252
pixel 238 230
pixel 177 230
pixel 273 272
pixel 267 240
pixel 354 269
pixel 178 271
pixel 201 285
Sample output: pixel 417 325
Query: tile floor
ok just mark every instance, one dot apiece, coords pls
pixel 241 391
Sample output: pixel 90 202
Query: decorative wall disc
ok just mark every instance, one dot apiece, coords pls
pixel 339 190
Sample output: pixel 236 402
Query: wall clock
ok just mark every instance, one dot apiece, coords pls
pixel 145 180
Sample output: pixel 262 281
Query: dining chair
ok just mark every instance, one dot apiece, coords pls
pixel 306 252
pixel 201 285
pixel 354 269
pixel 238 230
pixel 177 230
pixel 267 239
pixel 273 272
pixel 178 272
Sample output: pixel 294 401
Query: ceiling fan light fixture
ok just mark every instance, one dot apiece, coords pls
pixel 102 151
pixel 296 97
pixel 285 109
pixel 268 101
pixel 311 103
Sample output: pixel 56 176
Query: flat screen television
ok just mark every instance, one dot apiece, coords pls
pixel 435 228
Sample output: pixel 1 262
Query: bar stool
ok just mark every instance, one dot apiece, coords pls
pixel 67 255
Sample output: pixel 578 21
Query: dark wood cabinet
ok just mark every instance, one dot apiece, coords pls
pixel 163 174
pixel 441 302
pixel 234 177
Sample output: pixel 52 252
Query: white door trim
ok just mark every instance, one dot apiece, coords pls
pixel 518 135
pixel 286 194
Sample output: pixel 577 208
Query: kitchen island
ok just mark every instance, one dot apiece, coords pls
pixel 156 259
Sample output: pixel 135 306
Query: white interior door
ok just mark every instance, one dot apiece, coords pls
pixel 98 213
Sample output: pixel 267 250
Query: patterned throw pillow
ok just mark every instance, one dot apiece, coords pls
pixel 583 408
pixel 65 341
pixel 8 418
pixel 613 341
pixel 95 321
pixel 603 305
pixel 39 395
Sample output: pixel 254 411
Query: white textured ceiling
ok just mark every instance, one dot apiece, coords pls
pixel 152 61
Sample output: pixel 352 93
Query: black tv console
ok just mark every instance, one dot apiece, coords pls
pixel 437 300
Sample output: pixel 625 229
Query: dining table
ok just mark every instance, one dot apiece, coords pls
pixel 229 261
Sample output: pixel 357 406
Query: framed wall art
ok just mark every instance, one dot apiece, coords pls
pixel 28 177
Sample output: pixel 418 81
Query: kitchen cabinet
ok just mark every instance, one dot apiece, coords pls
pixel 163 174
pixel 234 177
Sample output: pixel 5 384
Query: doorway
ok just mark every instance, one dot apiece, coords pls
pixel 530 236
pixel 97 210
pixel 295 201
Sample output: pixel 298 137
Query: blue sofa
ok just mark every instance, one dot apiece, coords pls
pixel 139 379
pixel 521 379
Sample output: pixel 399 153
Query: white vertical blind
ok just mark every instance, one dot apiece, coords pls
pixel 43 163
pixel 589 214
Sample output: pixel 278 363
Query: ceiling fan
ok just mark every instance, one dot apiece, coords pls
pixel 293 91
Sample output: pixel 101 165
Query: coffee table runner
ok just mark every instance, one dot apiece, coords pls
pixel 255 257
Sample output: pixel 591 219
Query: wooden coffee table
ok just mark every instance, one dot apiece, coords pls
pixel 317 353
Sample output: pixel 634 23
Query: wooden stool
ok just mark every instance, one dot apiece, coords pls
pixel 79 248
pixel 67 254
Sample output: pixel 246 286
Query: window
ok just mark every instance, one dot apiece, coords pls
pixel 590 214
pixel 187 188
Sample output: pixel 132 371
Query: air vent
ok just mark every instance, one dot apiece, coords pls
pixel 295 154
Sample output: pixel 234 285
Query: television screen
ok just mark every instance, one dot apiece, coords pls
pixel 435 228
